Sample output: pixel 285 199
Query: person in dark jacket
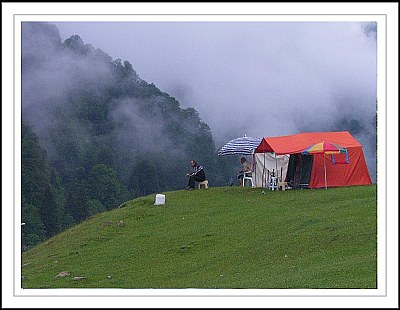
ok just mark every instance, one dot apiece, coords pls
pixel 197 174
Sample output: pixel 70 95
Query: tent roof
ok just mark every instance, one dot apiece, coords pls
pixel 297 143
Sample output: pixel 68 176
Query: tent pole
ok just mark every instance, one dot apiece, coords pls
pixel 325 170
pixel 263 175
pixel 254 172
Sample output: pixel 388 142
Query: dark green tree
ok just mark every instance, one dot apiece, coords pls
pixel 145 179
pixel 35 170
pixel 78 195
pixel 33 231
pixel 103 186
pixel 95 206
pixel 42 194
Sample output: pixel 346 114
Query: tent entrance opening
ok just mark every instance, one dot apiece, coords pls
pixel 299 170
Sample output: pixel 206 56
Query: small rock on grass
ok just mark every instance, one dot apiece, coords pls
pixel 63 274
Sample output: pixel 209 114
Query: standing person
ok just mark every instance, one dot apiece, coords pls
pixel 197 174
pixel 246 167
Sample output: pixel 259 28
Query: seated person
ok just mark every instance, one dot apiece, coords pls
pixel 246 167
pixel 197 174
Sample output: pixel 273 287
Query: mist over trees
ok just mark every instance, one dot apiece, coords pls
pixel 95 135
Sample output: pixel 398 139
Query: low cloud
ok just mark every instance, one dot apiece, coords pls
pixel 255 78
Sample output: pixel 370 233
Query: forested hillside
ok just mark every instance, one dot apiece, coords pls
pixel 94 134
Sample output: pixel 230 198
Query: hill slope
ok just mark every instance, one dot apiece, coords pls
pixel 218 238
pixel 91 128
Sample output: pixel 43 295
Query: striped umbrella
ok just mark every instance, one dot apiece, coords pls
pixel 243 145
pixel 324 147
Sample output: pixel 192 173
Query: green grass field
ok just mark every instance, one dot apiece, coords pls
pixel 224 237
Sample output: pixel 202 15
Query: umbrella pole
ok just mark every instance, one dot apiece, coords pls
pixel 325 171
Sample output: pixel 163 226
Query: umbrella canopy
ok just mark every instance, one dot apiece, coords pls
pixel 324 147
pixel 243 145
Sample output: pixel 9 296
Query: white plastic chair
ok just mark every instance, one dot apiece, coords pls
pixel 248 176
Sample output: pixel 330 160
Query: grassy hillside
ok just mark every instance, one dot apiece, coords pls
pixel 218 238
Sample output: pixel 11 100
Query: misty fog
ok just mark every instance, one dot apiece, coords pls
pixel 255 78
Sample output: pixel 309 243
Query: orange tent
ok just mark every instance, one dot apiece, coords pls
pixel 340 171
